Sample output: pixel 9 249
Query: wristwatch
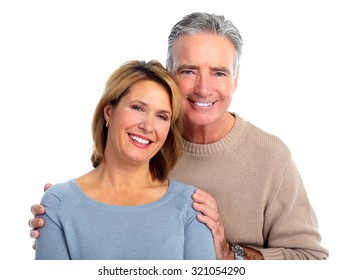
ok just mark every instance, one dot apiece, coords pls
pixel 239 251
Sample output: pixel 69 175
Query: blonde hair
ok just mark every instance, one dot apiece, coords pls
pixel 118 84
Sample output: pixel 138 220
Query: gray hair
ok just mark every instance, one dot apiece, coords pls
pixel 208 23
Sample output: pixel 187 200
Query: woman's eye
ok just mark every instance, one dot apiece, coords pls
pixel 163 117
pixel 137 108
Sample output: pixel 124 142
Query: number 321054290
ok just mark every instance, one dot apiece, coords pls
pixel 229 270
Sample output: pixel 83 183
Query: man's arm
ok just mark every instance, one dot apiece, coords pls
pixel 291 222
pixel 207 205
pixel 36 223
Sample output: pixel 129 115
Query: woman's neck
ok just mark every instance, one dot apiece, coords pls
pixel 122 186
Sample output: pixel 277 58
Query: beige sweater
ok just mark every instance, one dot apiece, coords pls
pixel 260 194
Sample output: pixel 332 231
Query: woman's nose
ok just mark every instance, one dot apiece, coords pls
pixel 146 125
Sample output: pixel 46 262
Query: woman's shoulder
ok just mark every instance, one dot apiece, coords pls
pixel 59 193
pixel 183 200
pixel 182 191
pixel 61 188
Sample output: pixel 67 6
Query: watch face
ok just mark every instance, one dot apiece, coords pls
pixel 239 252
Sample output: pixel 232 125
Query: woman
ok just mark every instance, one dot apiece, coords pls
pixel 126 207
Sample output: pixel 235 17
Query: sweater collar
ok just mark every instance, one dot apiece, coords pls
pixel 228 142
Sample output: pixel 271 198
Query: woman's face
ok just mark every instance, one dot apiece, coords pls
pixel 139 124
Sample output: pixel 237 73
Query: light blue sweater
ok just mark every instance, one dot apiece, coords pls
pixel 77 227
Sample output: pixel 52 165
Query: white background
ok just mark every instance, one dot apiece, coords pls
pixel 55 57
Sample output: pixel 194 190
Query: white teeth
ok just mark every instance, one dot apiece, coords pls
pixel 203 104
pixel 139 140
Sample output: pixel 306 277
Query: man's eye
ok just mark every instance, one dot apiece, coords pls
pixel 187 72
pixel 220 74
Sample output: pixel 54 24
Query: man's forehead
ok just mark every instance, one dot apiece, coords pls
pixel 202 45
pixel 204 37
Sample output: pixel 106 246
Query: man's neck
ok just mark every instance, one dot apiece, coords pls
pixel 210 133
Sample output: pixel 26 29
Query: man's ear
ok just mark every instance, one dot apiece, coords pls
pixel 235 81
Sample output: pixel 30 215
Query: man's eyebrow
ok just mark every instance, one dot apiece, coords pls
pixel 221 69
pixel 214 69
pixel 187 66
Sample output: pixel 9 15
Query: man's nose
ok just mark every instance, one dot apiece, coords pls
pixel 203 85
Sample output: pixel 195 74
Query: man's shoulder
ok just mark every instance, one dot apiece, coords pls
pixel 265 141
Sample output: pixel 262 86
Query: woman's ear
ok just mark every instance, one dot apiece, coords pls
pixel 107 112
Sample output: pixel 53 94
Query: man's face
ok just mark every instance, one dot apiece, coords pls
pixel 203 70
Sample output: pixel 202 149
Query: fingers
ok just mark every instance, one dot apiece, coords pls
pixel 203 197
pixel 36 223
pixel 34 233
pixel 206 204
pixel 212 213
pixel 46 186
pixel 37 209
pixel 34 245
pixel 221 245
pixel 216 227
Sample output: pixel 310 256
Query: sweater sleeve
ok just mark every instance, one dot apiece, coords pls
pixel 51 245
pixel 198 238
pixel 290 222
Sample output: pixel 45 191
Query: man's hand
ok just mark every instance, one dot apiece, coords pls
pixel 207 205
pixel 36 223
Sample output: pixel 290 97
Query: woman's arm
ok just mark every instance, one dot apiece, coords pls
pixel 198 239
pixel 51 244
